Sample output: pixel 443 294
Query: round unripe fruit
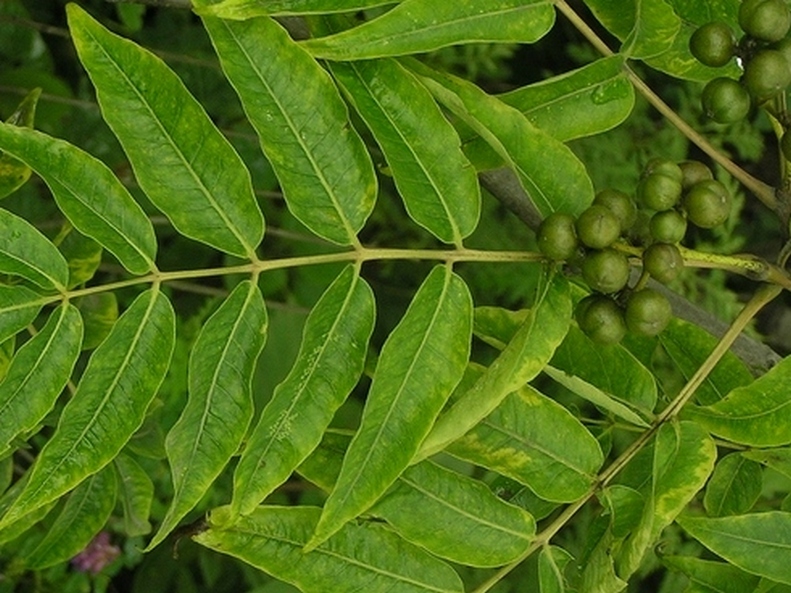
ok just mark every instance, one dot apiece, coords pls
pixel 767 20
pixel 692 172
pixel 606 271
pixel 557 236
pixel 708 204
pixel 784 47
pixel 659 192
pixel 767 74
pixel 647 312
pixel 725 100
pixel 598 227
pixel 620 204
pixel 669 226
pixel 713 44
pixel 663 261
pixel 601 319
pixel 660 166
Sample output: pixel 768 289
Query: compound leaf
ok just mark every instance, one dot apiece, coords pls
pixel 25 252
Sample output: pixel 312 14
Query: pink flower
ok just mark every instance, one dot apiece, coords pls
pixel 97 554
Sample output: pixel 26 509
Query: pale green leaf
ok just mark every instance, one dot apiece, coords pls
pixel 758 414
pixel 135 493
pixel 758 543
pixel 565 186
pixel 324 169
pixel 110 403
pixel 436 181
pixel 361 557
pixel 734 486
pixel 552 560
pixel 245 9
pixel 25 252
pixel 181 160
pixel 86 511
pixel 219 408
pixel 421 362
pixel 89 195
pixel 714 576
pixel 38 373
pixel 529 437
pixel 14 173
pixel 329 364
pixel 323 465
pixel 416 26
pixel 522 359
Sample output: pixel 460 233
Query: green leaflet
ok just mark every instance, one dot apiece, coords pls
pixel 689 346
pixel 7 348
pixel 734 486
pixel 717 576
pixel 777 459
pixel 82 253
pixel 245 9
pixel 416 26
pixel 13 173
pixel 563 187
pixel 329 364
pixel 361 557
pixel 38 373
pixel 552 561
pixel 19 306
pixel 646 27
pixel 86 511
pixel 99 314
pixel 220 405
pixel 323 167
pixel 436 181
pixel 89 195
pixel 194 175
pixel 758 414
pixel 25 252
pixel 529 437
pixel 421 362
pixel 520 361
pixel 759 543
pixel 135 493
pixel 121 379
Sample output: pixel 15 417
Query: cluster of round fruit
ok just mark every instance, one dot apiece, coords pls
pixel 672 194
pixel 764 51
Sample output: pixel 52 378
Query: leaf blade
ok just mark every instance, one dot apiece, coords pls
pixel 25 252
pixel 18 307
pixel 245 9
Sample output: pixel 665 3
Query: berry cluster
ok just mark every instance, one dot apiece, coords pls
pixel 764 51
pixel 672 194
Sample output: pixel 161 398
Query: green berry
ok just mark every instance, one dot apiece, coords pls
pixel 708 204
pixel 557 236
pixel 606 271
pixel 693 172
pixel 658 191
pixel 601 319
pixel 647 312
pixel 725 100
pixel 713 44
pixel 660 166
pixel 669 226
pixel 620 204
pixel 767 74
pixel 598 227
pixel 767 20
pixel 663 261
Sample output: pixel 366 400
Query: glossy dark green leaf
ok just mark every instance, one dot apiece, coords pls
pixel 361 557
pixel 38 373
pixel 324 169
pixel 110 403
pixel 181 160
pixel 758 414
pixel 565 186
pixel 416 26
pixel 84 514
pixel 421 362
pixel 529 437
pixel 552 561
pixel 89 195
pixel 245 9
pixel 715 576
pixel 689 346
pixel 135 493
pixel 26 253
pixel 328 366
pixel 758 543
pixel 13 172
pixel 734 486
pixel 219 408
pixel 18 307
pixel 521 360
pixel 436 181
